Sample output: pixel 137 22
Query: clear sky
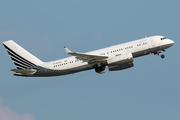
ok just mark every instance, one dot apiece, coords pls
pixel 148 91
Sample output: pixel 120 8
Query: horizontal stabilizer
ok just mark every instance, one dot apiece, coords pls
pixel 24 72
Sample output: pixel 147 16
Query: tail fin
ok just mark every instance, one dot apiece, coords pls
pixel 21 58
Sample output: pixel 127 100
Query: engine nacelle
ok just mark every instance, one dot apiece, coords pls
pixel 120 62
pixel 120 67
pixel 121 59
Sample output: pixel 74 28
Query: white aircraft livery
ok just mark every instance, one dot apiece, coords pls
pixel 117 57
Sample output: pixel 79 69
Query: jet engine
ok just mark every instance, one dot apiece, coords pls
pixel 100 69
pixel 120 62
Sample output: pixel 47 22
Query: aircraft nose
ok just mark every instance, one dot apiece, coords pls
pixel 171 42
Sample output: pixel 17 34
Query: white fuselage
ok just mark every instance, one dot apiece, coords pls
pixel 138 48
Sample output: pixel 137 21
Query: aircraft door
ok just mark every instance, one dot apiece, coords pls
pixel 149 48
pixel 46 69
pixel 152 43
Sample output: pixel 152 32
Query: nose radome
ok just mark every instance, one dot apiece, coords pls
pixel 171 42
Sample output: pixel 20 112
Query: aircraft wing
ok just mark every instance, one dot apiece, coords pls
pixel 24 72
pixel 90 58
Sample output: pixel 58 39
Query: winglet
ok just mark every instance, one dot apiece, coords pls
pixel 67 50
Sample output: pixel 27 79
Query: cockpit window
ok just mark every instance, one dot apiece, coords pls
pixel 163 38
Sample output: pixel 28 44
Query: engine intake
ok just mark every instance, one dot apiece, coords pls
pixel 101 69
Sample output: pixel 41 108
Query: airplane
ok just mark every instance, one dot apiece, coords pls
pixel 117 57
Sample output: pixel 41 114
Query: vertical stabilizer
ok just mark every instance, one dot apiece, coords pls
pixel 21 58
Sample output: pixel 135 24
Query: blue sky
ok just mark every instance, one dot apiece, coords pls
pixel 149 90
